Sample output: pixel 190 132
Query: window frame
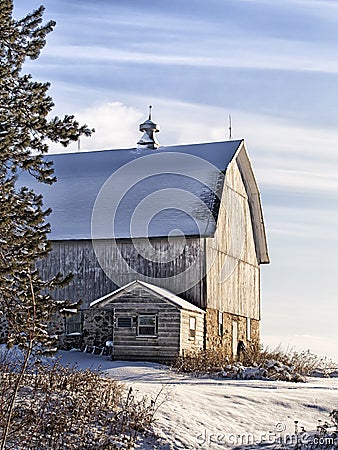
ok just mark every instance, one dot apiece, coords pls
pixel 220 323
pixel 192 330
pixel 248 329
pixel 76 324
pixel 234 338
pixel 130 319
pixel 154 325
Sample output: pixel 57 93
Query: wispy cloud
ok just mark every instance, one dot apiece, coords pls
pixel 197 37
pixel 316 223
pixel 286 157
pixel 116 125
pixel 275 55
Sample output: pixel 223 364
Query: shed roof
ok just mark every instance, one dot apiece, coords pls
pixel 164 293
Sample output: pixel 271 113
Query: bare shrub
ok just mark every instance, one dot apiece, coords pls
pixel 258 355
pixel 304 362
pixel 201 361
pixel 67 408
pixel 325 437
pixel 334 417
pixel 215 360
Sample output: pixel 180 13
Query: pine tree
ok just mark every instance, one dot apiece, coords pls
pixel 26 301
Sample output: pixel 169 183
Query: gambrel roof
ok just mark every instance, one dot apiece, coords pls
pixel 147 287
pixel 146 193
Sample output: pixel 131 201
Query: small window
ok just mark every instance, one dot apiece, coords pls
pixel 192 327
pixel 147 325
pixel 124 322
pixel 73 323
pixel 234 338
pixel 248 329
pixel 220 323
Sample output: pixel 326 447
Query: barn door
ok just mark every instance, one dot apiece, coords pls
pixel 234 338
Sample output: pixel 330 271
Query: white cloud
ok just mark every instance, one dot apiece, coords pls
pixel 268 54
pixel 284 156
pixel 313 179
pixel 116 126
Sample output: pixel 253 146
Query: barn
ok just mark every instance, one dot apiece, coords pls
pixel 165 245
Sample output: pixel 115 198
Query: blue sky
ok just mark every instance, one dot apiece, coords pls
pixel 274 67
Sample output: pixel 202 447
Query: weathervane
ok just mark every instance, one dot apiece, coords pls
pixel 230 128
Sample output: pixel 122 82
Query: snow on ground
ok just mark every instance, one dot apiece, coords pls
pixel 213 413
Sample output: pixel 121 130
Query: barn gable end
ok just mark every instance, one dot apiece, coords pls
pixel 233 258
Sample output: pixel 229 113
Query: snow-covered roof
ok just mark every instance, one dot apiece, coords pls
pixel 164 293
pixel 172 185
pixel 170 191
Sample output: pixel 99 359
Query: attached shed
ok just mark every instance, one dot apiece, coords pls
pixel 143 321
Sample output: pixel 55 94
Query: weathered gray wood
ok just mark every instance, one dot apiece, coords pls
pixel 185 341
pixel 172 335
pixel 236 289
pixel 91 282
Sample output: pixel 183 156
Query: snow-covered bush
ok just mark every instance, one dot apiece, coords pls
pixel 66 408
pixel 255 362
pixel 268 370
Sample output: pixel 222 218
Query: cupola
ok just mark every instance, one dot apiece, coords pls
pixel 149 128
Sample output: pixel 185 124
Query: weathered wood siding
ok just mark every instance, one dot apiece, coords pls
pixel 91 282
pixel 77 257
pixel 233 274
pixel 186 342
pixel 127 344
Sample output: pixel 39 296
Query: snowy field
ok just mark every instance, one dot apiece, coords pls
pixel 212 413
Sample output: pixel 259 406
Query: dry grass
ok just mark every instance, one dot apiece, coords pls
pixel 301 362
pixel 334 417
pixel 66 408
pixel 215 360
pixel 201 361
